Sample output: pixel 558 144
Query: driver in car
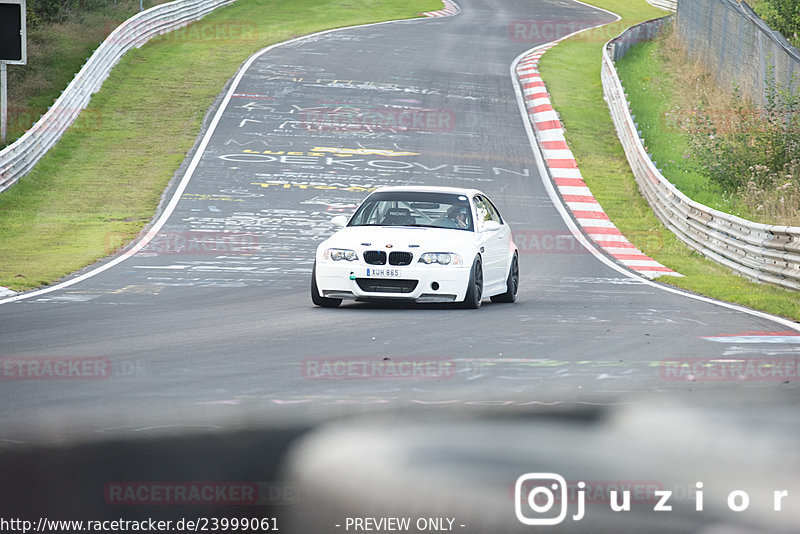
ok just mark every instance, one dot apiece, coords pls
pixel 458 216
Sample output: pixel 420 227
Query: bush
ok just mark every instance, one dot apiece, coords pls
pixel 780 15
pixel 61 10
pixel 732 144
pixel 774 196
pixel 785 17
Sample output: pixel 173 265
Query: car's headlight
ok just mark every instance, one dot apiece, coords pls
pixel 442 258
pixel 338 254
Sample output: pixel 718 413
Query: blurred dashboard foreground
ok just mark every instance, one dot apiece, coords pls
pixel 645 466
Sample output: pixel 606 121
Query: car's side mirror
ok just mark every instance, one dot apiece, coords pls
pixel 340 221
pixel 490 226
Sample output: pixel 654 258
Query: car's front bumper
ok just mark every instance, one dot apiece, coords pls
pixel 418 282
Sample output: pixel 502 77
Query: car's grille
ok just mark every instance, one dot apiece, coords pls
pixel 375 257
pixel 386 285
pixel 400 258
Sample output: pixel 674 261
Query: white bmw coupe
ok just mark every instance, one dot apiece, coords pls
pixel 426 244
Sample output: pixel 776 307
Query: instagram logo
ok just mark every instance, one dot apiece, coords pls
pixel 540 491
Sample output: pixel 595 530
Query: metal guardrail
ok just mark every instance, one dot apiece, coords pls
pixel 763 252
pixel 633 35
pixel 666 5
pixel 17 159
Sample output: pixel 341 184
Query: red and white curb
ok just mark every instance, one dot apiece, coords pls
pixel 567 178
pixel 450 8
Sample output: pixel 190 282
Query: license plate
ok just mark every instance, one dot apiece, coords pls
pixel 383 273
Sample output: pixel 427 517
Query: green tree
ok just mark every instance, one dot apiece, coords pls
pixel 784 16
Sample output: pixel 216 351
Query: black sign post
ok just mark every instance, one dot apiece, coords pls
pixel 12 50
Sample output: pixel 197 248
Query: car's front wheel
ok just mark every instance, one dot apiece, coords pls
pixel 318 300
pixel 512 283
pixel 472 300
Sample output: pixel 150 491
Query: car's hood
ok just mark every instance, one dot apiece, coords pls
pixel 401 237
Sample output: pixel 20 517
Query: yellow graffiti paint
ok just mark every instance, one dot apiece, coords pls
pixel 363 151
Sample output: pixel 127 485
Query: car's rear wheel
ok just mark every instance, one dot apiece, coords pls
pixel 324 302
pixel 512 283
pixel 472 300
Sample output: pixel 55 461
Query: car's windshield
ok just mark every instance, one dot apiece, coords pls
pixel 408 208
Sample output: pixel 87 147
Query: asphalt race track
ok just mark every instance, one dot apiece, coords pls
pixel 210 327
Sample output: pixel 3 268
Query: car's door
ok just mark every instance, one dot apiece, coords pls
pixel 493 238
pixel 506 242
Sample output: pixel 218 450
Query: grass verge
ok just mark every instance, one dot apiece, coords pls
pixel 56 51
pixel 571 71
pixel 651 88
pixel 677 104
pixel 103 181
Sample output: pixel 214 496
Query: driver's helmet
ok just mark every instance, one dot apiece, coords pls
pixel 454 213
